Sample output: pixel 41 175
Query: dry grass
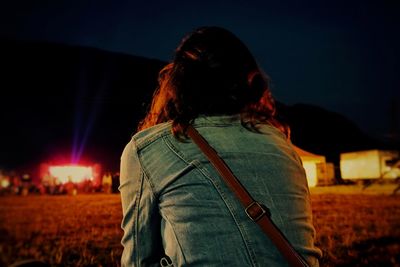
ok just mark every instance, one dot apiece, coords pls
pixel 358 230
pixel 61 230
pixel 354 229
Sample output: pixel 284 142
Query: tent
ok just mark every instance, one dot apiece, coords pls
pixel 370 164
pixel 315 167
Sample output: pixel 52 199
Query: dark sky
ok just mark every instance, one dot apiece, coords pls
pixel 340 55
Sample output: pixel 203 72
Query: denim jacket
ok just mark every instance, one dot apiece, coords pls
pixel 176 205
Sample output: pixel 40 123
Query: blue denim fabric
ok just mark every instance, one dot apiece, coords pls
pixel 174 202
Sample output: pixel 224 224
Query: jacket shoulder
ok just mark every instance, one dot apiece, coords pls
pixel 149 135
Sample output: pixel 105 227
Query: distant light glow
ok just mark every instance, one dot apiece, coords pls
pixel 74 174
pixel 5 183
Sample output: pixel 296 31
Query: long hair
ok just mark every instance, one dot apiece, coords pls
pixel 213 73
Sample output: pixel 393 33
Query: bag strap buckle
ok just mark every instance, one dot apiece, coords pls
pixel 256 210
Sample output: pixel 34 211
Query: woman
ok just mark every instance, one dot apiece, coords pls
pixel 176 208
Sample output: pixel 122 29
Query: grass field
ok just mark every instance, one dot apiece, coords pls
pixel 355 227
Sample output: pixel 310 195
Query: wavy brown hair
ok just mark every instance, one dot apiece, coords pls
pixel 213 73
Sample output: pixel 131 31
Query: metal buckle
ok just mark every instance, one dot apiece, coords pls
pixel 166 262
pixel 260 208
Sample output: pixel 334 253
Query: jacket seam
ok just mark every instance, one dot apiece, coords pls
pixel 143 178
pixel 154 194
pixel 176 238
pixel 175 150
pixel 144 171
pixel 239 226
pixel 144 142
pixel 205 173
pixel 136 226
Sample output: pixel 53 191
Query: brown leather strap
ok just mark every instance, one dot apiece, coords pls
pixel 256 211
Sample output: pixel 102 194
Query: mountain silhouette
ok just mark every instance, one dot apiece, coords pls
pixel 59 100
pixel 325 132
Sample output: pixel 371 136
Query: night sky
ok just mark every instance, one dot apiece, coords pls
pixel 340 55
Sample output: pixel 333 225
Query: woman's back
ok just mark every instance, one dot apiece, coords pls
pixel 175 202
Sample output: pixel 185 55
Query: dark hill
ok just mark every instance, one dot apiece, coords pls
pixel 56 99
pixel 324 132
